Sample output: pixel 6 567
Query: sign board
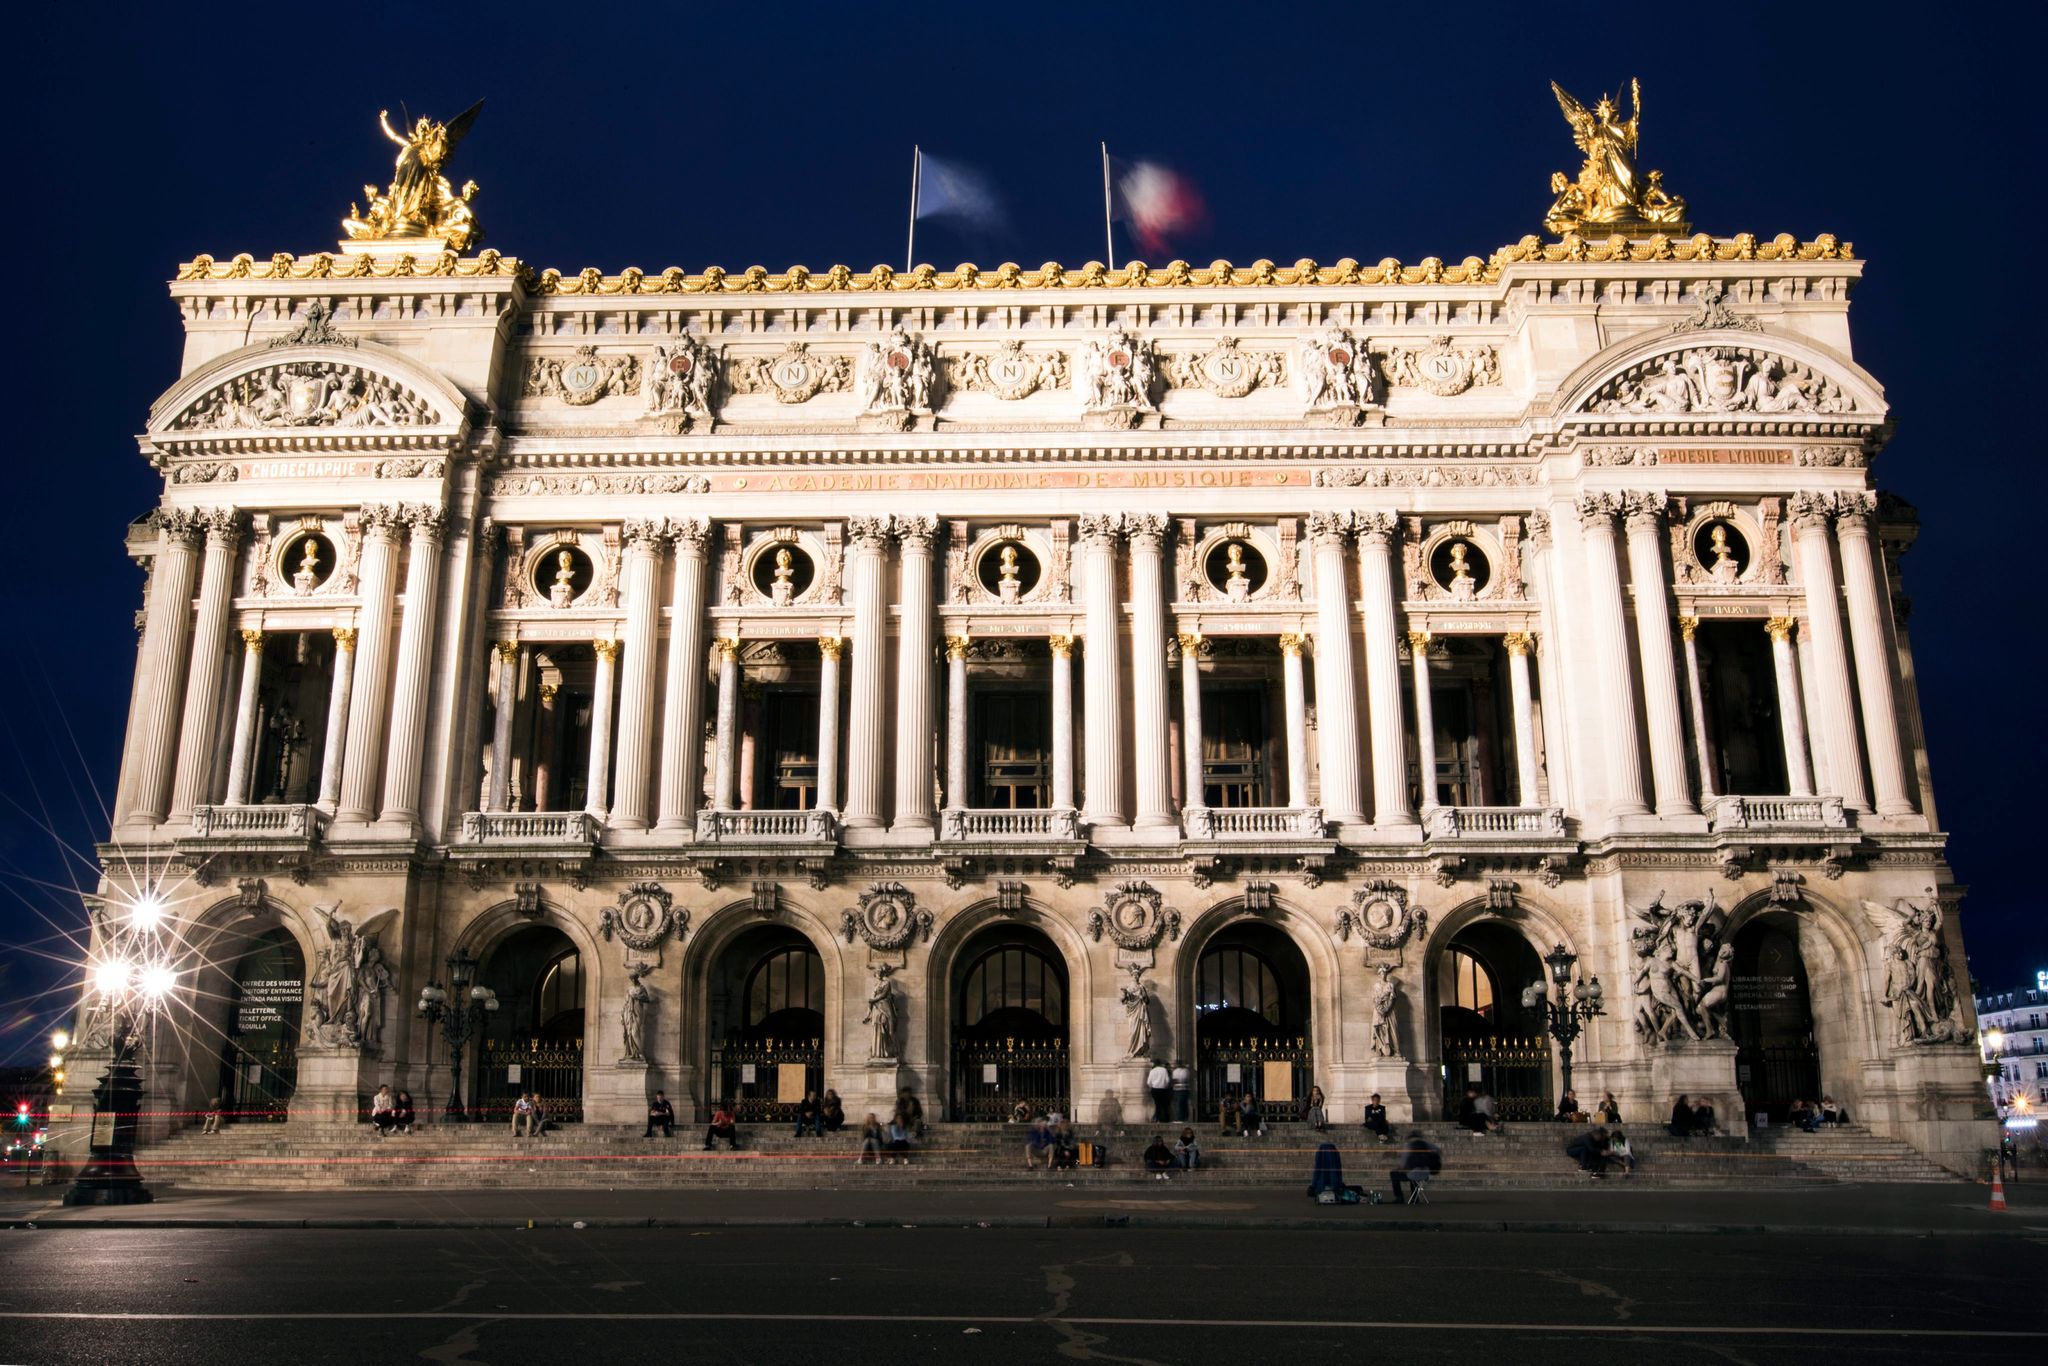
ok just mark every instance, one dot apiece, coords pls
pixel 746 1074
pixel 513 1075
pixel 1279 1082
pixel 263 1002
pixel 988 1073
pixel 253 1074
pixel 789 1082
pixel 102 1128
pixel 1473 1073
pixel 1233 1073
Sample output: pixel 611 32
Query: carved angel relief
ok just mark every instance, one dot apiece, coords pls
pixel 888 917
pixel 1720 379
pixel 582 378
pixel 1134 917
pixel 680 382
pixel 307 393
pixel 793 375
pixel 1335 374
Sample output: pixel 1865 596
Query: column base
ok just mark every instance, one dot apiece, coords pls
pixel 916 830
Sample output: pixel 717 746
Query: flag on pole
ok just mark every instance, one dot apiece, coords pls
pixel 1158 203
pixel 946 189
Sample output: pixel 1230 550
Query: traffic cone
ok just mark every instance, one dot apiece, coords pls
pixel 1997 1192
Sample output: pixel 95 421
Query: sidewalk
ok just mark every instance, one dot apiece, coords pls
pixel 1947 1210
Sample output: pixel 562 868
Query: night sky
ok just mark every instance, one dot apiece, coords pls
pixel 736 135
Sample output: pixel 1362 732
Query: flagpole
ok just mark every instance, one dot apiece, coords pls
pixel 916 170
pixel 1108 227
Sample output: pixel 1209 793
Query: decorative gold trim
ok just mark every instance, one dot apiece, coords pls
pixel 830 646
pixel 1061 646
pixel 956 647
pixel 1094 275
pixel 1290 643
pixel 1517 642
pixel 607 650
pixel 345 637
pixel 252 642
pixel 508 650
pixel 1781 628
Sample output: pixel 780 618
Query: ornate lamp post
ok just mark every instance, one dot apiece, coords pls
pixel 130 979
pixel 460 1009
pixel 1577 1002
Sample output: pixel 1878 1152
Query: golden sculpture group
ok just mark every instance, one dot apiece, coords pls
pixel 420 203
pixel 1611 195
pixel 1610 192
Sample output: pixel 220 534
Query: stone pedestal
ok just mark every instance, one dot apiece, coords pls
pixel 1933 1098
pixel 883 1078
pixel 1699 1070
pixel 330 1087
pixel 618 1094
pixel 1400 1084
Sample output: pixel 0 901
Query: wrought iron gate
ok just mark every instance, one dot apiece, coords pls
pixel 1514 1071
pixel 1772 1077
pixel 552 1071
pixel 991 1075
pixel 764 1081
pixel 257 1087
pixel 1274 1072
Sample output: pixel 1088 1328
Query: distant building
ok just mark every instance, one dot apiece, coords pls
pixel 2021 1019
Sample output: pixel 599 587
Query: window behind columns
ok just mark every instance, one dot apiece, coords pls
pixel 1739 691
pixel 789 749
pixel 1011 753
pixel 1236 737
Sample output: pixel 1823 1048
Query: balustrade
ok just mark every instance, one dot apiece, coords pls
pixel 291 821
pixel 1512 822
pixel 1746 813
pixel 529 827
pixel 1002 823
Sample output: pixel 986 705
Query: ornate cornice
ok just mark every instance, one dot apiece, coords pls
pixel 1431 270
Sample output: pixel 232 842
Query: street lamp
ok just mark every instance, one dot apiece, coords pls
pixel 460 1009
pixel 131 980
pixel 1577 1002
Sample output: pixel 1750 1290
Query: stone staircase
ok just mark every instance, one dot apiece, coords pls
pixel 1525 1156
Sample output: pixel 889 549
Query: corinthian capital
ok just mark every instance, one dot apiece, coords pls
pixel 1329 528
pixel 223 526
pixel 1376 529
pixel 868 533
pixel 1101 528
pixel 178 526
pixel 916 532
pixel 1596 510
pixel 1644 509
pixel 1812 509
pixel 690 534
pixel 645 533
pixel 1853 511
pixel 427 520
pixel 1146 529
pixel 382 520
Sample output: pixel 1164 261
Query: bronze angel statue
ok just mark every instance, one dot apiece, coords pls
pixel 1611 192
pixel 420 202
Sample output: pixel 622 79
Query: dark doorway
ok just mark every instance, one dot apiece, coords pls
pixel 535 1040
pixel 1739 691
pixel 767 1023
pixel 259 1058
pixel 1010 1027
pixel 1013 755
pixel 1776 1059
pixel 1489 1041
pixel 1252 1022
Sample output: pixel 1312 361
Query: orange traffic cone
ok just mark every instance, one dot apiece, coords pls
pixel 1997 1191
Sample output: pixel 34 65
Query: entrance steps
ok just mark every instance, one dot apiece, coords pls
pixel 442 1156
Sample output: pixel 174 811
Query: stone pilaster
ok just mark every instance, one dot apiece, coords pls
pixel 682 744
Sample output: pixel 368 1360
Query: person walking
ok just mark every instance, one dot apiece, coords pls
pixel 1159 1082
pixel 660 1114
pixel 1183 1088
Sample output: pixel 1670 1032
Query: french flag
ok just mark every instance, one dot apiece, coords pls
pixel 1158 203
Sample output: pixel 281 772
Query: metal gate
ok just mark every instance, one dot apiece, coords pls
pixel 1514 1071
pixel 1275 1073
pixel 764 1081
pixel 257 1087
pixel 1772 1077
pixel 511 1067
pixel 991 1076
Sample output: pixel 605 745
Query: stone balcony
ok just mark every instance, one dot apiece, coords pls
pixel 540 830
pixel 293 823
pixel 1006 825
pixel 772 827
pixel 1254 824
pixel 1503 824
pixel 1772 814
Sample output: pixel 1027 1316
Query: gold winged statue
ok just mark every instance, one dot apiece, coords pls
pixel 420 203
pixel 1610 195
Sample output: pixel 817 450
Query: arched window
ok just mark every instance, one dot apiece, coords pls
pixel 1236 978
pixel 788 979
pixel 1471 984
pixel 560 991
pixel 1013 978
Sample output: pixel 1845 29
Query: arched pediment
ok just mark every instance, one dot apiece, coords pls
pixel 309 390
pixel 1721 373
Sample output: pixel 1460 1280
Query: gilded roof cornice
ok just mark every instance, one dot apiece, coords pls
pixel 1571 249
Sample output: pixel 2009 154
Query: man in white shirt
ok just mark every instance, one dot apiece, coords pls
pixel 1160 1083
pixel 1183 1085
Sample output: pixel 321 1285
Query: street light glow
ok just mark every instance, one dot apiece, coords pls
pixel 147 911
pixel 157 981
pixel 111 977
pixel 59 1040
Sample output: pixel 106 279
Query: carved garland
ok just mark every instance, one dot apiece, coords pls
pixel 1134 917
pixel 888 917
pixel 1381 916
pixel 645 916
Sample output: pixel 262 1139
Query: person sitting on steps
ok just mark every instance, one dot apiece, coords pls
pixel 1315 1111
pixel 835 1112
pixel 1590 1150
pixel 522 1116
pixel 211 1124
pixel 403 1116
pixel 1038 1144
pixel 810 1114
pixel 1159 1159
pixel 1188 1150
pixel 723 1125
pixel 1376 1119
pixel 1418 1154
pixel 383 1109
pixel 660 1114
pixel 870 1141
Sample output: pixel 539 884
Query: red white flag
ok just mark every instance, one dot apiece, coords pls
pixel 1158 203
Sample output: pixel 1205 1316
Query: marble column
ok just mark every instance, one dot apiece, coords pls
pixel 1062 648
pixel 338 693
pixel 869 538
pixel 500 796
pixel 1425 716
pixel 1834 705
pixel 197 733
pixel 1149 730
pixel 1645 513
pixel 956 722
pixel 1100 668
pixel 153 717
pixel 828 723
pixel 376 589
pixel 1383 669
pixel 1296 703
pixel 1791 707
pixel 1872 654
pixel 726 752
pixel 1617 697
pixel 1194 792
pixel 644 541
pixel 243 749
pixel 1523 700
pixel 597 788
pixel 1336 686
pixel 1696 700
pixel 415 665
pixel 682 708
pixel 914 677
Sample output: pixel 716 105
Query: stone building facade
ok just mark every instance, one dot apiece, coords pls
pixel 985 682
pixel 2016 1070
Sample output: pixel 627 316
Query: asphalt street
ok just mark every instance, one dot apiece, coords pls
pixel 891 1294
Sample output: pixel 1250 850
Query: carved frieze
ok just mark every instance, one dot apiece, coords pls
pixel 1227 370
pixel 306 393
pixel 1009 372
pixel 510 484
pixel 582 378
pixel 1442 367
pixel 794 375
pixel 1428 476
pixel 1720 379
pixel 888 917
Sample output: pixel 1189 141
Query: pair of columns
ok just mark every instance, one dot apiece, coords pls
pixel 1336 689
pixel 1518 644
pixel 958 778
pixel 1791 706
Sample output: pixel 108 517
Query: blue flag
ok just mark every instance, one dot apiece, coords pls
pixel 948 190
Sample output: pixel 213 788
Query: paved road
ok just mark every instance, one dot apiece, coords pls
pixel 517 1297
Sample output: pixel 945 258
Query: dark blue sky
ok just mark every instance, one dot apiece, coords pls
pixel 735 135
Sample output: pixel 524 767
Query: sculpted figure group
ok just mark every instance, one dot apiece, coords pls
pixel 1681 978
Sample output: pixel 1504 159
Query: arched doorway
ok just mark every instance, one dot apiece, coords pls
pixel 535 1040
pixel 766 1004
pixel 1009 1026
pixel 259 1060
pixel 1252 1022
pixel 1488 1039
pixel 1776 1058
